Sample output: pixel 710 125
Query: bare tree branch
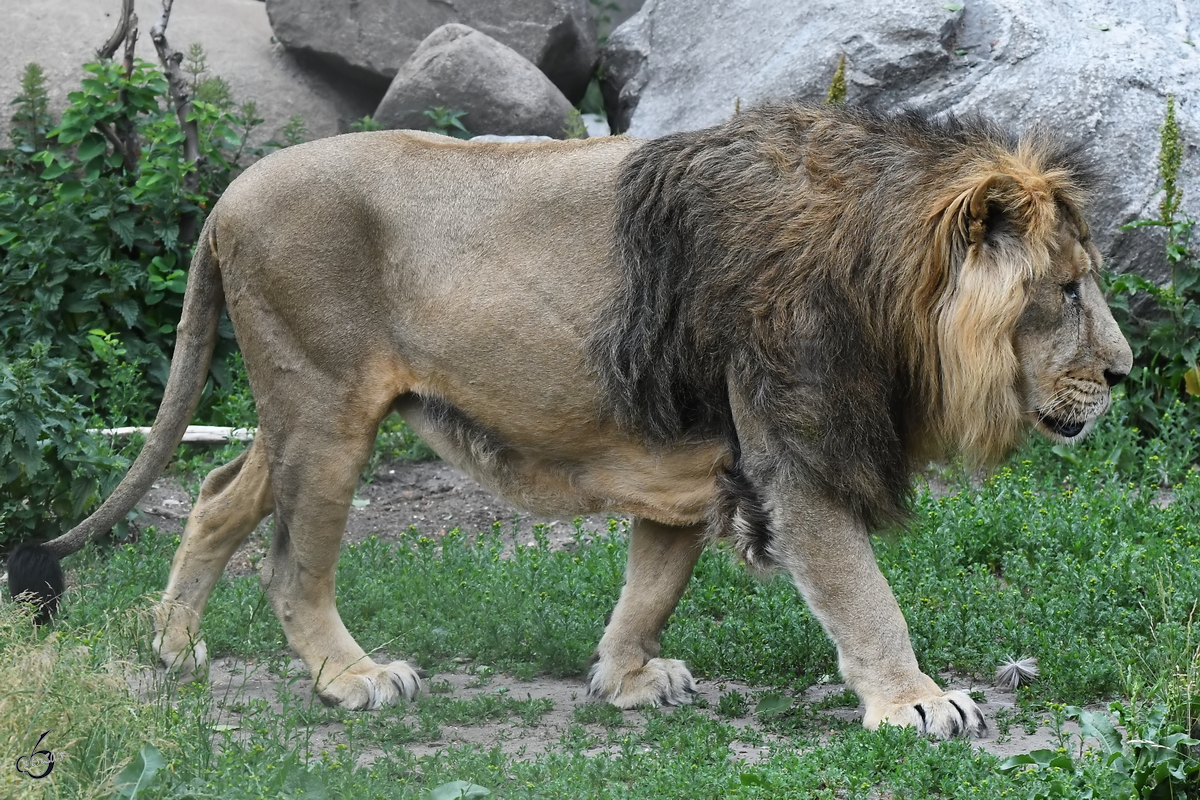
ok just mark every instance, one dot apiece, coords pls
pixel 122 134
pixel 112 137
pixel 131 150
pixel 118 36
pixel 201 434
pixel 181 96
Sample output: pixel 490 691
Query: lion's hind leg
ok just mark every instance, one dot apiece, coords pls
pixel 319 447
pixel 628 671
pixel 233 499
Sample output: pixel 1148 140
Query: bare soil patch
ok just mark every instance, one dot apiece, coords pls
pixel 431 496
pixel 243 689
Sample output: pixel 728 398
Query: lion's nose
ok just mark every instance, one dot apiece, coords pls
pixel 1113 377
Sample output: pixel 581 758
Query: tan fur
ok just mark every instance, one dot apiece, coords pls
pixel 457 283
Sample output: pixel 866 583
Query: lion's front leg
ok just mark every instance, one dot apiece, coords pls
pixel 830 558
pixel 627 671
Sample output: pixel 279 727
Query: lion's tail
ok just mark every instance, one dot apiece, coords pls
pixel 194 342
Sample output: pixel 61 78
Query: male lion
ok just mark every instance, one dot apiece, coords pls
pixel 755 331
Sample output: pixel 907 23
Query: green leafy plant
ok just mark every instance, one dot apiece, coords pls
pixel 573 127
pixel 367 123
pixel 732 704
pixel 93 268
pixel 88 244
pixel 1150 761
pixel 126 392
pixel 1162 323
pixel 140 774
pixel 31 121
pixel 51 469
pixel 447 122
pixel 295 131
pixel 836 95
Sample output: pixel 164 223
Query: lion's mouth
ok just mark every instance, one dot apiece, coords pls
pixel 1061 427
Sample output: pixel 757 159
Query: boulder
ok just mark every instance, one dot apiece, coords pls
pixel 496 139
pixel 461 69
pixel 1093 70
pixel 374 39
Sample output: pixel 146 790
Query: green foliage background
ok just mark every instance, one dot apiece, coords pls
pixel 92 273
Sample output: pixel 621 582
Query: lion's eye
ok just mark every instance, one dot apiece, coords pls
pixel 1071 290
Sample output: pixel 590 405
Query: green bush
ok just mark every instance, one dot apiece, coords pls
pixel 90 236
pixel 1140 756
pixel 447 122
pixel 92 272
pixel 51 469
pixel 1162 323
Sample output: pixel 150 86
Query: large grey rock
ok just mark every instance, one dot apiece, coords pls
pixel 1096 70
pixel 461 69
pixel 374 37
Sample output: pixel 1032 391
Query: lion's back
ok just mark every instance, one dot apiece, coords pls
pixel 437 204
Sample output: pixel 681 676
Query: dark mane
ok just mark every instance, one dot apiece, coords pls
pixel 789 250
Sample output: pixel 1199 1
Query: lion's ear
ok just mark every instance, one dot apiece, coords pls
pixel 986 206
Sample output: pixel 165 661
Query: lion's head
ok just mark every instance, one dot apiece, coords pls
pixel 878 291
pixel 1024 336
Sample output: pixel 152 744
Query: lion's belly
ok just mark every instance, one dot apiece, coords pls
pixel 570 469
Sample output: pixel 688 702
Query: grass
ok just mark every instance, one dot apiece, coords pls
pixel 1087 559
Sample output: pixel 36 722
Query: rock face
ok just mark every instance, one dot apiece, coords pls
pixel 373 39
pixel 1096 70
pixel 462 69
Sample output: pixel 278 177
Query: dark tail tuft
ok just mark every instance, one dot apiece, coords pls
pixel 35 576
pixel 740 515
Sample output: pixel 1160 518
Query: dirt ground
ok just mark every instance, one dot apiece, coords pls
pixel 436 498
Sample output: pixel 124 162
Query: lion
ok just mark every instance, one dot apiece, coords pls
pixel 755 333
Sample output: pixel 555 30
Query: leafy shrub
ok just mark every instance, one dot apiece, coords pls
pixel 573 126
pixel 88 243
pixel 51 469
pixel 92 272
pixel 1162 323
pixel 447 122
pixel 367 123
pixel 1151 761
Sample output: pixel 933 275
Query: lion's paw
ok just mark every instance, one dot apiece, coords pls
pixel 660 681
pixel 942 716
pixel 369 685
pixel 184 657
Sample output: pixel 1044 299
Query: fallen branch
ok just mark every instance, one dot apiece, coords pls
pixel 195 434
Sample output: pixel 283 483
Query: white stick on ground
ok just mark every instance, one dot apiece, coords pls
pixel 195 434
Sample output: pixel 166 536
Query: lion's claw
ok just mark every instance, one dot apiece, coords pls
pixel 943 716
pixel 658 682
pixel 185 659
pixel 371 686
